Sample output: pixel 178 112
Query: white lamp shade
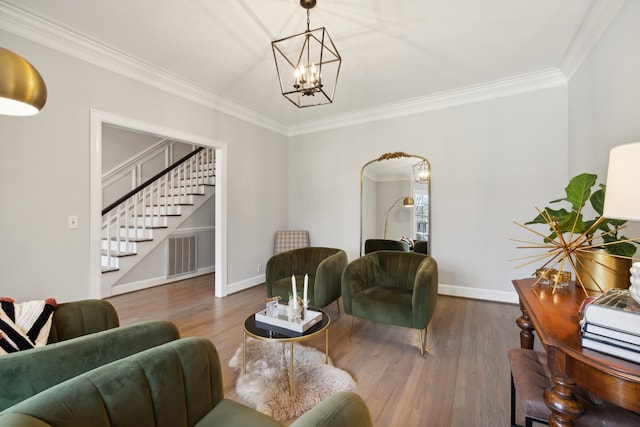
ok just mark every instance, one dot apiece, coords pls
pixel 622 197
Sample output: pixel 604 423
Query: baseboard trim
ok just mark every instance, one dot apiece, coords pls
pixel 482 294
pixel 245 284
pixel 157 281
pixel 449 290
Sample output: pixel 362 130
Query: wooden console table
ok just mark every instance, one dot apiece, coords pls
pixel 554 318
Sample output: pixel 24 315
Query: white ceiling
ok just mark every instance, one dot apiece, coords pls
pixel 394 52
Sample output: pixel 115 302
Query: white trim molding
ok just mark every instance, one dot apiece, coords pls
pixel 98 119
pixel 24 24
pixel 246 284
pixel 158 281
pixel 500 88
pixel 34 28
pixel 510 297
pixel 594 26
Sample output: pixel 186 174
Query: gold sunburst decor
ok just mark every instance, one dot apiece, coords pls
pixel 571 235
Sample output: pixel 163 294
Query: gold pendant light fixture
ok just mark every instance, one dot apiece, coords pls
pixel 22 89
pixel 307 64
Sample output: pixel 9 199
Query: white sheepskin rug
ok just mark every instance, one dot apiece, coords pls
pixel 265 386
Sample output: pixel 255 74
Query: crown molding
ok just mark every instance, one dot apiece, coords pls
pixel 467 95
pixel 34 28
pixel 594 26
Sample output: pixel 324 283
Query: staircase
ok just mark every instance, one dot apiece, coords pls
pixel 141 219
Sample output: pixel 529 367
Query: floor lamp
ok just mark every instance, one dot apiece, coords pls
pixel 407 202
pixel 622 195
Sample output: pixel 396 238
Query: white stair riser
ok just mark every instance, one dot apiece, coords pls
pixel 133 233
pixel 197 181
pixel 149 221
pixel 119 247
pixel 162 210
pixel 109 263
pixel 203 174
pixel 182 191
pixel 177 200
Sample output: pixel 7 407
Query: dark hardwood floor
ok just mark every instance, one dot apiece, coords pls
pixel 462 381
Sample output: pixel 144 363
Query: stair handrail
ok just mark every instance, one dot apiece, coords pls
pixel 150 181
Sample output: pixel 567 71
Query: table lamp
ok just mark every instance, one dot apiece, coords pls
pixel 622 196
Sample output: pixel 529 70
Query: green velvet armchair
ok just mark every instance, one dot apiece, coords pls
pixel 374 245
pixel 398 288
pixel 324 266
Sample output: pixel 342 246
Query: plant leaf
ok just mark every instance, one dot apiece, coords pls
pixel 597 200
pixel 579 190
pixel 558 215
pixel 626 249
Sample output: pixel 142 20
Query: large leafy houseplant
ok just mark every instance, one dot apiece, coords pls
pixel 570 224
pixel 578 243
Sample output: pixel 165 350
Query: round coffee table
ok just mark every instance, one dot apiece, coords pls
pixel 253 331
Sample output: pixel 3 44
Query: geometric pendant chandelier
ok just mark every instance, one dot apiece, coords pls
pixel 421 172
pixel 307 64
pixel 22 89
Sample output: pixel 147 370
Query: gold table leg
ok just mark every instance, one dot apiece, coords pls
pixel 291 372
pixel 326 346
pixel 244 353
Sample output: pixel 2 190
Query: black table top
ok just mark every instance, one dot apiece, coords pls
pixel 279 334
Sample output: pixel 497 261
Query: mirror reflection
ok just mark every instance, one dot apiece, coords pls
pixel 395 203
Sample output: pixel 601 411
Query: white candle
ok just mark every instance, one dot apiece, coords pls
pixel 304 295
pixel 293 287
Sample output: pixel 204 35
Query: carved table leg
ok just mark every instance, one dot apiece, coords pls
pixel 563 404
pixel 526 326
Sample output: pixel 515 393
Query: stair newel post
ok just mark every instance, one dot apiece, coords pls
pixel 141 210
pixel 173 185
pixel 168 202
pixel 212 163
pixel 116 227
pixel 189 175
pixel 107 228
pixel 126 224
pixel 183 188
pixel 156 192
pixel 134 213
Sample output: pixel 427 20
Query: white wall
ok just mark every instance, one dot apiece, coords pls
pixel 492 162
pixel 45 161
pixel 604 95
pixel 604 99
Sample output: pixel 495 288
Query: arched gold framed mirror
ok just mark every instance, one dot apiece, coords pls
pixel 395 200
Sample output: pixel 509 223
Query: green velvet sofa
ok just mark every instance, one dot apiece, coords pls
pixel 394 287
pixel 324 266
pixel 176 384
pixel 84 335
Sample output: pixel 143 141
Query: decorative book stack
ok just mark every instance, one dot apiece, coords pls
pixel 611 325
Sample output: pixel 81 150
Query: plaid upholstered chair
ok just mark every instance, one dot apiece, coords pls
pixel 324 266
pixel 286 240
